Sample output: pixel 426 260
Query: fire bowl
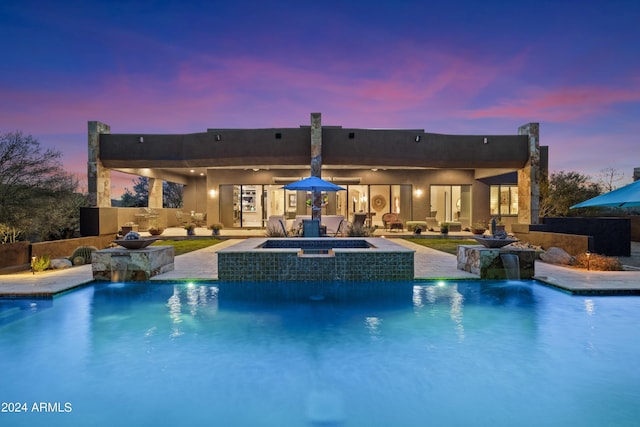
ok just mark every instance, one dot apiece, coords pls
pixel 493 242
pixel 135 243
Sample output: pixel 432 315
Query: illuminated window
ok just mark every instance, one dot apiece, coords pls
pixel 504 200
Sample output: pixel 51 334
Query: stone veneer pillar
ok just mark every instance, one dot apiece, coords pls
pixel 316 161
pixel 529 178
pixel 98 177
pixel 155 193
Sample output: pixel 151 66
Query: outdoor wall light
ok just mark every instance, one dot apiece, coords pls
pixel 418 138
pixel 218 137
pixel 486 140
pixel 141 140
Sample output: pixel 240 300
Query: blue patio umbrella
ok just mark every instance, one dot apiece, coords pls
pixel 624 197
pixel 314 184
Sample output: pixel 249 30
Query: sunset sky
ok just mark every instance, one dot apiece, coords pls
pixel 467 67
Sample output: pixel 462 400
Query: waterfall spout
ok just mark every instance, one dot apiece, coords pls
pixel 119 267
pixel 511 264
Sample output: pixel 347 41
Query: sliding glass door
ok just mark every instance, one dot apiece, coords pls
pixel 451 203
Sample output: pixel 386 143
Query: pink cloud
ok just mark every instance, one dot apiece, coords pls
pixel 560 105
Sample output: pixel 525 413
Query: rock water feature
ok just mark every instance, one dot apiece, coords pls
pixel 494 259
pixel 132 260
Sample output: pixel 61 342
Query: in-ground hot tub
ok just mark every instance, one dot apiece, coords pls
pixel 303 259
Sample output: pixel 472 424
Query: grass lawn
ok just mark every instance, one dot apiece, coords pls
pixel 445 245
pixel 187 245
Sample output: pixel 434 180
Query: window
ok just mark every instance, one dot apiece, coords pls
pixel 504 200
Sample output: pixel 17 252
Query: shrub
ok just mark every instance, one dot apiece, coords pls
pixel 598 262
pixel 41 263
pixel 10 234
pixel 357 230
pixel 84 252
pixel 156 231
pixel 275 231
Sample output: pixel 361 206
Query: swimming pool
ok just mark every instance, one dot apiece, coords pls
pixel 420 353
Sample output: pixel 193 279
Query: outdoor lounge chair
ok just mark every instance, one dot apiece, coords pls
pixel 296 226
pixel 276 225
pixel 332 224
pixel 432 224
pixel 359 219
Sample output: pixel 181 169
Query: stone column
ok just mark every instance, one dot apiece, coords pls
pixel 155 193
pixel 98 177
pixel 529 178
pixel 316 161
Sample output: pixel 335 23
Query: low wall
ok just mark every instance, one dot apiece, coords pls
pixel 64 248
pixel 635 228
pixel 98 221
pixel 572 243
pixel 611 235
pixel 15 257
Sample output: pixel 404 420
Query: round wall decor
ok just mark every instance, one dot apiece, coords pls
pixel 378 202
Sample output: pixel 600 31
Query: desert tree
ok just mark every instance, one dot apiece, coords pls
pixel 139 197
pixel 563 190
pixel 34 187
pixel 609 178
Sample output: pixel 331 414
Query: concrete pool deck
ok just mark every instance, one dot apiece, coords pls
pixel 428 264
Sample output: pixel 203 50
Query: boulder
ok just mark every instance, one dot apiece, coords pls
pixel 60 264
pixel 557 256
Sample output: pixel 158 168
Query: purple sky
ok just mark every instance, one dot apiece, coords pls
pixel 468 67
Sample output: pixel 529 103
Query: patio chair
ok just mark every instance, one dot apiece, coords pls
pixel 181 218
pixel 359 219
pixel 200 218
pixel 392 222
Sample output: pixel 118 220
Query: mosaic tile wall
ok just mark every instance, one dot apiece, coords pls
pixel 288 266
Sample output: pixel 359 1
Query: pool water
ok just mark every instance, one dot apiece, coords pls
pixel 467 353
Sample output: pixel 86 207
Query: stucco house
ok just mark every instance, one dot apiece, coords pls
pixel 235 176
